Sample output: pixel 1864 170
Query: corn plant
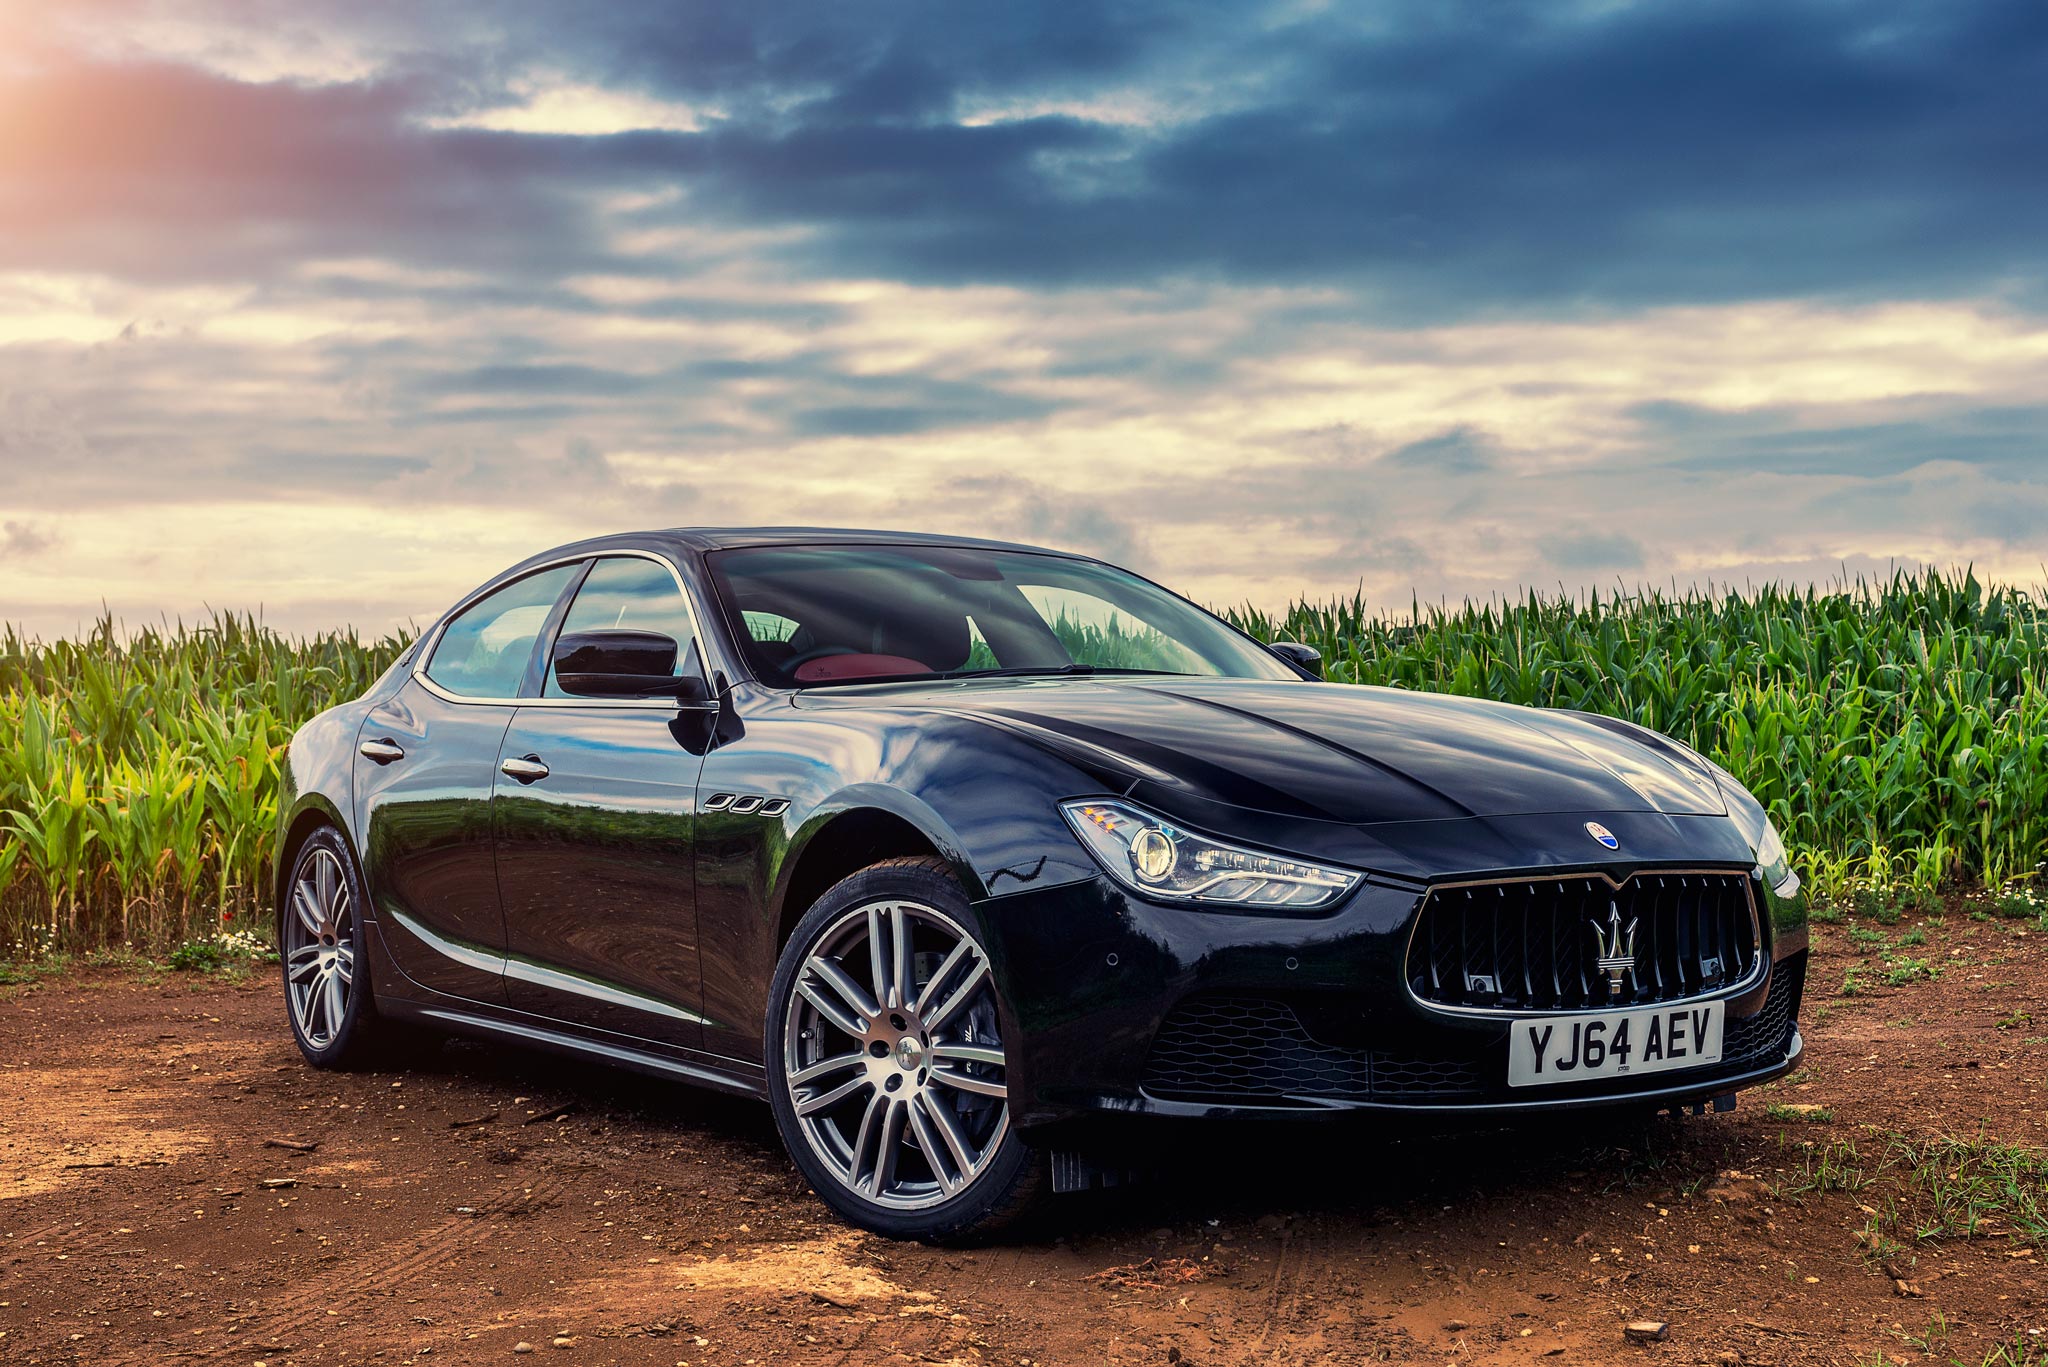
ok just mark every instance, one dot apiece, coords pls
pixel 139 774
pixel 1897 731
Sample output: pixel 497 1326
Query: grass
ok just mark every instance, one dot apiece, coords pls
pixel 1897 730
pixel 1793 1114
pixel 1919 1190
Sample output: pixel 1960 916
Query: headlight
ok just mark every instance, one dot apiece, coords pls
pixel 1776 864
pixel 1762 835
pixel 1156 858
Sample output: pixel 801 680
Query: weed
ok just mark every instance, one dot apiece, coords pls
pixel 229 952
pixel 1792 1114
pixel 1835 1166
pixel 1899 972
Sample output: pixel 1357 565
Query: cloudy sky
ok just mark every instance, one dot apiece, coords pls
pixel 339 307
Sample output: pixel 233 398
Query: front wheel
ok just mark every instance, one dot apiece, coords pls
pixel 320 942
pixel 886 1061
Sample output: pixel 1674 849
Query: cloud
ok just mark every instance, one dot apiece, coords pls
pixel 22 540
pixel 1439 297
pixel 1580 551
pixel 1443 160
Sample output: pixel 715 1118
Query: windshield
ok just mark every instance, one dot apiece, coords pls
pixel 814 615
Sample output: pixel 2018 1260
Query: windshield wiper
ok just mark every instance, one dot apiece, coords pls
pixel 1046 671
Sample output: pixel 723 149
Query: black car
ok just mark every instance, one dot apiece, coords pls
pixel 963 854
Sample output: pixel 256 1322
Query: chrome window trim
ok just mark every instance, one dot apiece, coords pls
pixel 1726 992
pixel 433 642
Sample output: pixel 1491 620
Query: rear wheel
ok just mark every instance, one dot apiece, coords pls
pixel 320 943
pixel 886 1060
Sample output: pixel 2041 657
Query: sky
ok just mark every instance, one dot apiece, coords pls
pixel 334 308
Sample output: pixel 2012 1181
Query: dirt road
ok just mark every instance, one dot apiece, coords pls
pixel 176 1186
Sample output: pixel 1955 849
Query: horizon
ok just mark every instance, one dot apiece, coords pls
pixel 1863 587
pixel 344 309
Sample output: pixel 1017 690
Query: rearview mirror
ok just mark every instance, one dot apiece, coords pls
pixel 622 664
pixel 1307 659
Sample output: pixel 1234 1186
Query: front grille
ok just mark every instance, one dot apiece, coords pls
pixel 1253 1050
pixel 1536 945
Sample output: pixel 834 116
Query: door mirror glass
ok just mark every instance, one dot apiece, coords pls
pixel 1307 659
pixel 617 664
pixel 625 596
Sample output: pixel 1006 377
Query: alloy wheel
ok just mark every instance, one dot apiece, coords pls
pixel 893 1055
pixel 320 948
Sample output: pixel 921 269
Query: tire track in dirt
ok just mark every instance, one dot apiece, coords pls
pixel 439 1245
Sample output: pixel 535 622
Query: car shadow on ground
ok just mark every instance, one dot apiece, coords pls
pixel 1362 1168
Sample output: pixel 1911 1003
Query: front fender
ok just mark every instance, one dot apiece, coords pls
pixel 862 798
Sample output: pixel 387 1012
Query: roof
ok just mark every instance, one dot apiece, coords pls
pixel 699 539
pixel 727 538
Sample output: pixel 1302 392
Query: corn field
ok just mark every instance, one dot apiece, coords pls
pixel 1895 730
pixel 139 776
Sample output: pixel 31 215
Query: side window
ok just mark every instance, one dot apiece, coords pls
pixel 486 648
pixel 631 594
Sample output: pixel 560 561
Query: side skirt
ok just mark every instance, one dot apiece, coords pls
pixel 555 1041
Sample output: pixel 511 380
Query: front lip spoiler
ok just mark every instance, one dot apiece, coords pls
pixel 1314 1107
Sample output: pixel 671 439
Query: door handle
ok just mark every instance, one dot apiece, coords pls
pixel 382 751
pixel 528 769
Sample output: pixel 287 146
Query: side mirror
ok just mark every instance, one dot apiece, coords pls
pixel 1307 659
pixel 623 664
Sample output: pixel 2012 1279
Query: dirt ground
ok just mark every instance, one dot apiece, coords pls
pixel 176 1186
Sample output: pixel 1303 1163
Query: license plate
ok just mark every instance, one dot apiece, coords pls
pixel 1579 1048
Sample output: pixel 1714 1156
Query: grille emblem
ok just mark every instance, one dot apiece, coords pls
pixel 1603 835
pixel 1616 948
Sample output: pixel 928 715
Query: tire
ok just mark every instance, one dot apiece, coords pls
pixel 329 999
pixel 902 1125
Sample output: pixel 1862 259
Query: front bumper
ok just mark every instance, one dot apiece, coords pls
pixel 1121 1007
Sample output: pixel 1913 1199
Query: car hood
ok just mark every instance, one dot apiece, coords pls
pixel 1334 752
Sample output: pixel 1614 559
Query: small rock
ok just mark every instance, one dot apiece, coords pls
pixel 522 1347
pixel 1455 1326
pixel 1906 1288
pixel 564 1341
pixel 1647 1331
pixel 1727 1357
pixel 279 1183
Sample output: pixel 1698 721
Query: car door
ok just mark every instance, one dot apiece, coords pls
pixel 594 822
pixel 425 770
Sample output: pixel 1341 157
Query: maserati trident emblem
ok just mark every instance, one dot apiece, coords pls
pixel 1603 835
pixel 1617 948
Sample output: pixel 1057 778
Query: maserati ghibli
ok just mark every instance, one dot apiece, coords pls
pixel 963 855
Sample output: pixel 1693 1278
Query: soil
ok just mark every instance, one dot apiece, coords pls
pixel 175 1185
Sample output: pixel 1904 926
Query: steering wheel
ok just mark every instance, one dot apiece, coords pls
pixel 791 665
